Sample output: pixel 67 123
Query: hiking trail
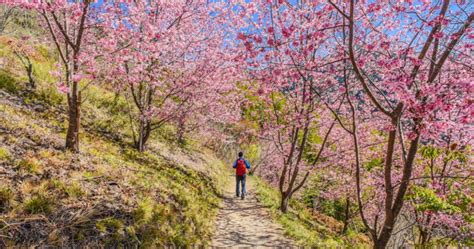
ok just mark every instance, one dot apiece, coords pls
pixel 246 223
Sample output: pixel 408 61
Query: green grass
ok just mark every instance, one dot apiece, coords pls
pixel 114 230
pixel 39 204
pixel 8 83
pixel 4 154
pixel 73 190
pixel 186 223
pixel 299 223
pixel 30 165
pixel 70 189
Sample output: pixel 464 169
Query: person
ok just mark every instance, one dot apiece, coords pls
pixel 241 166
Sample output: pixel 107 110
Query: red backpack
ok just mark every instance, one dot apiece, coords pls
pixel 241 169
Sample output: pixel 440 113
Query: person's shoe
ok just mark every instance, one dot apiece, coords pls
pixel 237 195
pixel 242 197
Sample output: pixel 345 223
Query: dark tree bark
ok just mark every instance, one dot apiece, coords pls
pixel 74 119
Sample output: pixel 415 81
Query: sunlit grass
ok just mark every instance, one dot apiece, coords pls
pixel 299 223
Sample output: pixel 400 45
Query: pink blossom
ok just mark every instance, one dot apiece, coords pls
pixel 438 35
pixel 62 87
pixel 270 42
pixel 241 36
pixel 385 45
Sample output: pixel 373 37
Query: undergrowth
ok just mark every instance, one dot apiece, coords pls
pixel 304 227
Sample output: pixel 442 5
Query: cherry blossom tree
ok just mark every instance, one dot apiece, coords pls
pixel 407 77
pixel 171 66
pixel 284 49
pixel 442 196
pixel 402 70
pixel 71 27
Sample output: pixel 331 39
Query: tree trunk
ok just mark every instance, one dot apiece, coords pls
pixel 180 132
pixel 285 198
pixel 74 119
pixel 143 135
pixel 382 241
pixel 346 215
pixel 423 239
pixel 31 79
pixel 379 244
pixel 180 138
pixel 140 145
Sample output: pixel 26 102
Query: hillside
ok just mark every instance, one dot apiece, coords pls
pixel 108 194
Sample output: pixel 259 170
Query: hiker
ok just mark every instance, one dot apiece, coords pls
pixel 240 165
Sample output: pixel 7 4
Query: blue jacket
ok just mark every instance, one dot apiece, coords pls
pixel 247 164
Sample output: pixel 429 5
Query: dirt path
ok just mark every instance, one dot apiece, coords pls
pixel 246 223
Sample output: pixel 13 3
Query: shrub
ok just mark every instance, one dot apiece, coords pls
pixel 4 154
pixel 8 83
pixel 144 212
pixel 333 208
pixel 43 50
pixel 39 204
pixel 51 96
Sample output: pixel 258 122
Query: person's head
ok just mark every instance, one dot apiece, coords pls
pixel 241 154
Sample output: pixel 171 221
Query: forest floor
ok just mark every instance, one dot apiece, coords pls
pixel 246 223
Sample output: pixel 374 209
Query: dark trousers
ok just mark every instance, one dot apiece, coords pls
pixel 240 180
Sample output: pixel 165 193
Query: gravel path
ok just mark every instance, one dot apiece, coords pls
pixel 246 223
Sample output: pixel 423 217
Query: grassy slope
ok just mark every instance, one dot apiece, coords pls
pixel 108 194
pixel 307 229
